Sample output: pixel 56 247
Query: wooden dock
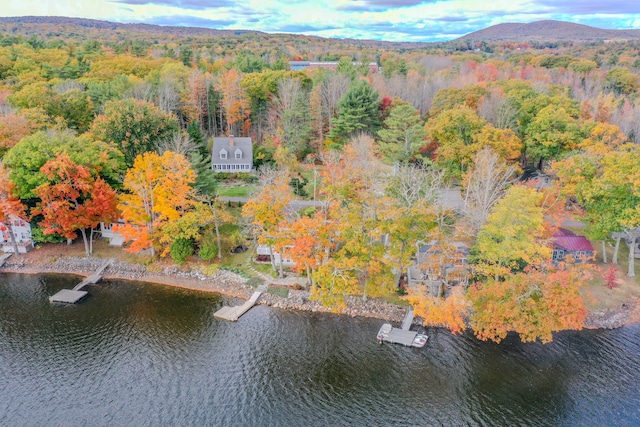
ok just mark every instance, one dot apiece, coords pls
pixel 408 320
pixel 4 258
pixel 232 314
pixel 72 296
pixel 400 335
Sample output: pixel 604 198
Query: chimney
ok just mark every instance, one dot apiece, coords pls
pixel 230 140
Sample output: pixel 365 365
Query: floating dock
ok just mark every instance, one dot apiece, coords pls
pixel 72 296
pixel 401 335
pixel 232 314
pixel 4 258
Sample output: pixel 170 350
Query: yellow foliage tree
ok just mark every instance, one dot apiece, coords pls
pixel 159 190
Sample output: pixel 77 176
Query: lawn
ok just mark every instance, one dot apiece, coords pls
pixel 239 191
pixel 598 296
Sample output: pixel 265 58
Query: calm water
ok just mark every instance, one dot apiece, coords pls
pixel 137 354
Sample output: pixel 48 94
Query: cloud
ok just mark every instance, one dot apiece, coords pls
pixel 189 21
pixel 584 7
pixel 302 28
pixel 181 4
pixel 378 5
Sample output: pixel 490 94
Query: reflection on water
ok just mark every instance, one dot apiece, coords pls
pixel 141 354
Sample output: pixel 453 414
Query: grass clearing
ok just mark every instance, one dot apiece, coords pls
pixel 598 297
pixel 239 191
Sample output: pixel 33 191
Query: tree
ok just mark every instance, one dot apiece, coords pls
pixel 552 132
pixel 402 134
pixel 135 127
pixel 291 108
pixel 450 312
pixel 72 199
pixel 534 303
pixel 454 131
pixel 234 102
pixel 158 191
pixel 13 128
pixel 358 112
pixel 27 157
pixel 267 212
pixel 10 205
pixel 513 235
pixel 485 185
pixel 610 277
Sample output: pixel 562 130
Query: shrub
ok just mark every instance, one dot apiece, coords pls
pixel 211 269
pixel 208 249
pixel 180 250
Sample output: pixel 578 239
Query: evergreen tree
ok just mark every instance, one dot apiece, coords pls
pixel 358 112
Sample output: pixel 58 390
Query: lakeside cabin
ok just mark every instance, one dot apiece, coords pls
pixel 21 231
pixel 567 243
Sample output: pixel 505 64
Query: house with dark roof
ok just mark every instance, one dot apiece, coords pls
pixel 566 243
pixel 232 154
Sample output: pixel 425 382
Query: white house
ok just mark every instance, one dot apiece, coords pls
pixel 115 239
pixel 232 154
pixel 21 231
pixel 264 255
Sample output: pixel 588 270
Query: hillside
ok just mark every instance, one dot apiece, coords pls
pixel 549 31
pixel 84 29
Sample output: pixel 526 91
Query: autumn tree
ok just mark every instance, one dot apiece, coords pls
pixel 234 102
pixel 534 303
pixel 513 235
pixel 158 191
pixel 135 127
pixel 267 212
pixel 27 157
pixel 72 199
pixel 454 131
pixel 484 186
pixel 291 111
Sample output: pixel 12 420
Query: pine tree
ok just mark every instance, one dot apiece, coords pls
pixel 358 112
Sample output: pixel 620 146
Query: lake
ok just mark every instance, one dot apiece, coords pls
pixel 139 354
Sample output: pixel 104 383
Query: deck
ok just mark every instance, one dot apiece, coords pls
pixel 4 258
pixel 72 296
pixel 232 314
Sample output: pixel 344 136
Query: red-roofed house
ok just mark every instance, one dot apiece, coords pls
pixel 565 243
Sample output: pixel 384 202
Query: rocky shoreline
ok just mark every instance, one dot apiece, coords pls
pixel 223 282
pixel 233 285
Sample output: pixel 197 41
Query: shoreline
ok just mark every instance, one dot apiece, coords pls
pixel 230 284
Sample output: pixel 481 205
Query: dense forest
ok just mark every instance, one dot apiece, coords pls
pixel 99 124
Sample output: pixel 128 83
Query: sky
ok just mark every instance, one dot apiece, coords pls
pixel 391 20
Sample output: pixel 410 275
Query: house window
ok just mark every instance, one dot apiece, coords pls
pixel 238 154
pixel 558 254
pixel 223 154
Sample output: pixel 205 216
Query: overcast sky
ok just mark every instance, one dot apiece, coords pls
pixel 393 20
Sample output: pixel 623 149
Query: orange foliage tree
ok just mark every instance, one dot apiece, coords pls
pixel 534 303
pixel 72 199
pixel 234 102
pixel 159 190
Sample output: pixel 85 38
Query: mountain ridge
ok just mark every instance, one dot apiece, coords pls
pixel 549 30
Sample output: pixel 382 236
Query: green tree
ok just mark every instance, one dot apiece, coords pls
pixel 27 157
pixel 135 127
pixel 358 112
pixel 402 134
pixel 454 132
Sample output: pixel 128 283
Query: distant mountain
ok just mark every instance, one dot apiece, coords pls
pixel 81 28
pixel 548 31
